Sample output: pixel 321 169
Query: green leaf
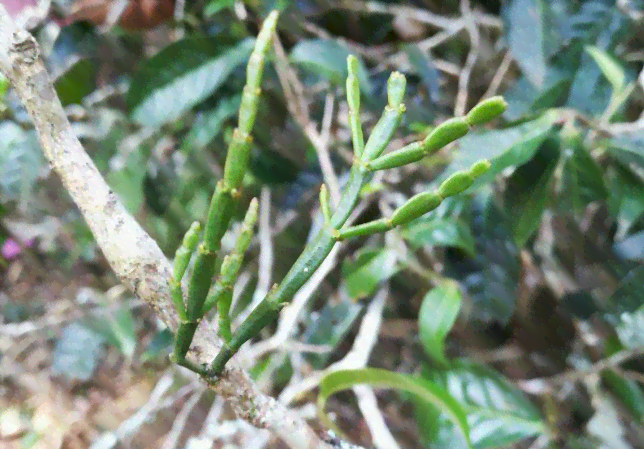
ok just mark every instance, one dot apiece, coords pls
pixel 503 148
pixel 436 317
pixel 367 270
pixel 77 82
pixel 526 194
pixel 76 354
pixel 328 59
pixel 610 67
pixel 181 76
pixel 526 38
pixel 425 390
pixel 429 231
pixel 498 415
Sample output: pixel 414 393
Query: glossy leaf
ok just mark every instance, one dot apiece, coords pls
pixel 526 37
pixel 498 415
pixel 181 76
pixel 367 269
pixel 437 315
pixel 328 59
pixel 526 195
pixel 425 390
pixel 503 148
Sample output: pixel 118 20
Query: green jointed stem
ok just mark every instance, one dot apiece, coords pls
pixel 222 205
pixel 353 100
pixel 315 253
pixel 181 261
pixel 223 290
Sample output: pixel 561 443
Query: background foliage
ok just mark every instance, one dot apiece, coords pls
pixel 521 298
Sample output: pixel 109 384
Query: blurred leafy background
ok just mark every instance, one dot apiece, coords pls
pixel 522 297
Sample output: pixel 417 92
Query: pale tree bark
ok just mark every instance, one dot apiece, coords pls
pixel 133 255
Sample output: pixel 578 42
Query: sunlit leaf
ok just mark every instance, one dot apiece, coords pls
pixel 436 317
pixel 609 66
pixel 425 390
pixel 181 76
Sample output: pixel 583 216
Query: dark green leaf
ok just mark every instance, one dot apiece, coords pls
pixel 436 317
pixel 490 277
pixel 76 353
pixel 526 37
pixel 328 59
pixel 498 415
pixel 527 193
pixel 76 83
pixel 367 269
pixel 425 390
pixel 181 76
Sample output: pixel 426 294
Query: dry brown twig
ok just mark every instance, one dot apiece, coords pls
pixel 134 256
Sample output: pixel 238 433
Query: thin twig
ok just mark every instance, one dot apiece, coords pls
pixel 499 75
pixel 179 423
pixel 464 78
pixel 266 257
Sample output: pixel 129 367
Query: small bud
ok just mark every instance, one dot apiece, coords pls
pixel 486 111
pixel 353 87
pixel 445 133
pixel 455 184
pixel 396 89
pixel 325 205
pixel 251 215
pixel 415 207
pixel 479 168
